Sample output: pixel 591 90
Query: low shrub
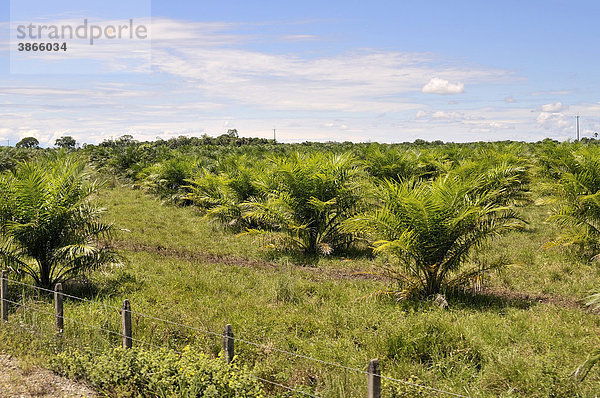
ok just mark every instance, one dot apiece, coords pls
pixel 162 373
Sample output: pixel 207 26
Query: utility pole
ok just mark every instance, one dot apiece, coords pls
pixel 577 118
pixel 274 138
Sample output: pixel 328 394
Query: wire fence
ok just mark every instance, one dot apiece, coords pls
pixel 374 377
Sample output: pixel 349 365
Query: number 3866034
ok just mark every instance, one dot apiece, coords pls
pixel 42 46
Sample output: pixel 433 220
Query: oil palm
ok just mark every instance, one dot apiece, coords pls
pixel 49 229
pixel 169 178
pixel 397 165
pixel 577 186
pixel 305 199
pixel 221 195
pixel 431 227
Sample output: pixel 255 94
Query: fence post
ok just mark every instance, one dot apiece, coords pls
pixel 58 307
pixel 126 318
pixel 228 343
pixel 374 379
pixel 3 294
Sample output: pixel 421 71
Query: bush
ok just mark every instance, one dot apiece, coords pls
pixel 221 195
pixel 398 165
pixel 137 372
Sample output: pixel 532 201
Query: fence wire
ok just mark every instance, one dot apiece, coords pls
pixel 237 339
pixel 140 342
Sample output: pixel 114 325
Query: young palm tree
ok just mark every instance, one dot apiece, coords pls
pixel 578 187
pixel 397 165
pixel 169 178
pixel 48 227
pixel 221 195
pixel 431 228
pixel 305 200
pixel 582 371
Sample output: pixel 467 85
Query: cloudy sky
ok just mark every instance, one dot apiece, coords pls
pixel 388 71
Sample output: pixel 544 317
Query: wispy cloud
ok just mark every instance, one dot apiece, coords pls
pixel 299 37
pixel 360 80
pixel 552 92
pixel 208 77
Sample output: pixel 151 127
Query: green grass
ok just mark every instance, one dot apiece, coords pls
pixel 182 268
pixel 538 270
pixel 145 221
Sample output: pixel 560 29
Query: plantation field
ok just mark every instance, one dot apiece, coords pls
pixel 182 268
pixel 522 334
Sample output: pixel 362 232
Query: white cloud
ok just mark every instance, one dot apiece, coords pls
pixel 552 118
pixel 510 100
pixel 554 121
pixel 443 87
pixel 555 107
pixel 447 115
pixel 359 80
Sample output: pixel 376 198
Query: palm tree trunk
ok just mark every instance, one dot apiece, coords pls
pixel 433 282
pixel 45 281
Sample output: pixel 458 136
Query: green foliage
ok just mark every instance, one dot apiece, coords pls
pixel 220 195
pixel 162 373
pixel 7 162
pixel 305 201
pixel 128 160
pixel 431 227
pixel 9 157
pixel 66 142
pixel 401 165
pixel 28 142
pixel 169 178
pixel 577 186
pixel 49 229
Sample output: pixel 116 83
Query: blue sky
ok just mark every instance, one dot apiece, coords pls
pixel 388 71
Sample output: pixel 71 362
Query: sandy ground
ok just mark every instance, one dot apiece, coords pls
pixel 19 379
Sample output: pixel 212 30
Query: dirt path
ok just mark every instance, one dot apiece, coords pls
pixel 348 274
pixel 186 255
pixel 545 298
pixel 23 380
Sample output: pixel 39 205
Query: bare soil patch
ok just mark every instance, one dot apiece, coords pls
pixel 559 301
pixel 19 379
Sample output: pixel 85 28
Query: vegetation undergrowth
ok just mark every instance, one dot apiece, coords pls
pixel 521 333
pixel 158 373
